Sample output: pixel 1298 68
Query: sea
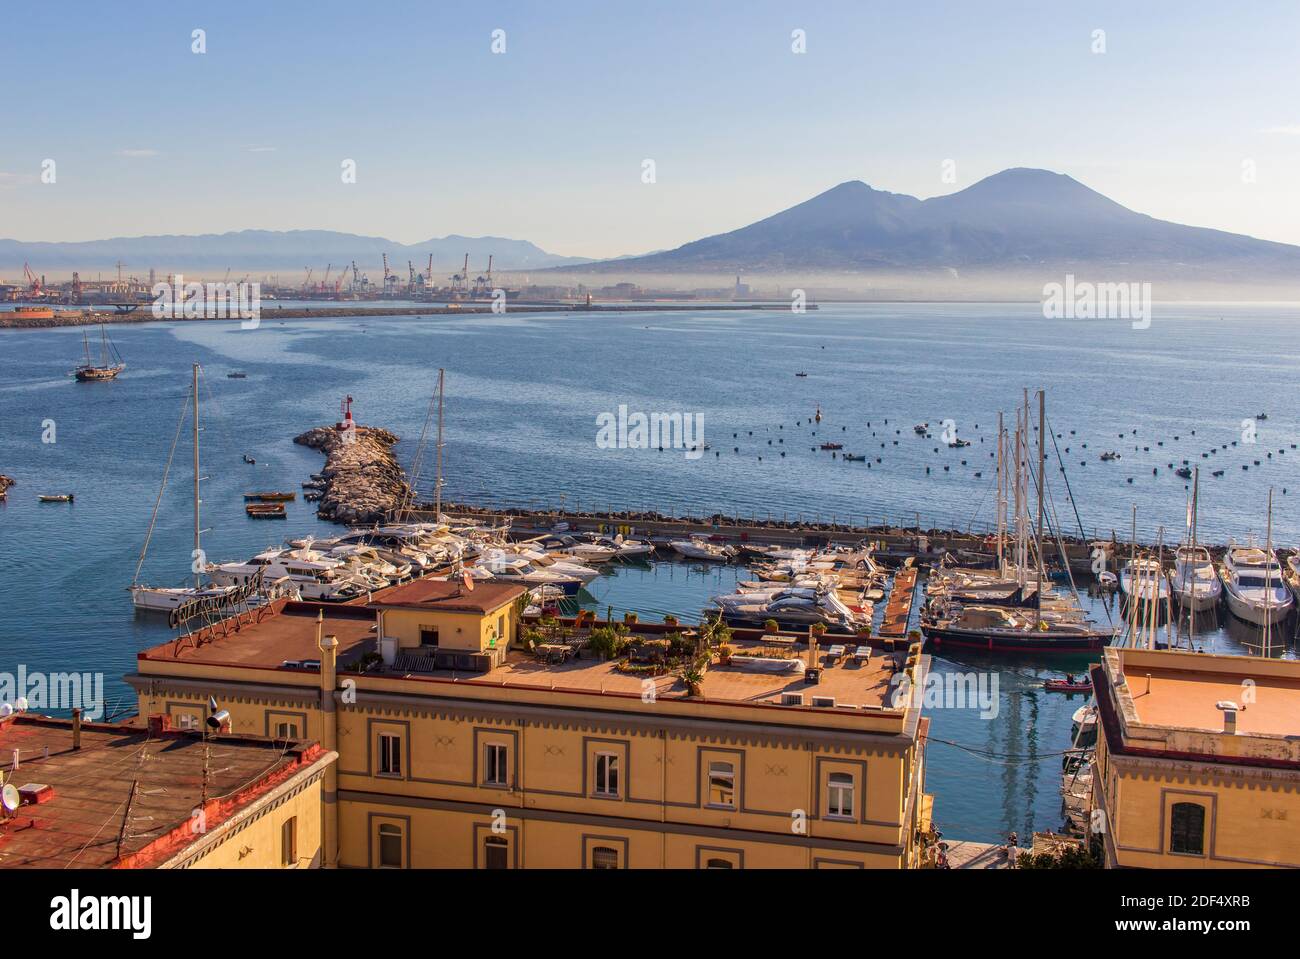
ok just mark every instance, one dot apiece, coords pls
pixel 1209 386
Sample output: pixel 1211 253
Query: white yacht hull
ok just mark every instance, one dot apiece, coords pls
pixel 1259 614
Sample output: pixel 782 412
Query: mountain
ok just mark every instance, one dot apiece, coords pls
pixel 264 251
pixel 1019 220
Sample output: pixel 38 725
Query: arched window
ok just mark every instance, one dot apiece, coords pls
pixel 718 864
pixel 604 857
pixel 496 853
pixel 390 846
pixel 1187 828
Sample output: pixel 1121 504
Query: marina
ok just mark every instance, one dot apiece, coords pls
pixel 817 511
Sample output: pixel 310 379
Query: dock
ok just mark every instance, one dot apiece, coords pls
pixel 899 608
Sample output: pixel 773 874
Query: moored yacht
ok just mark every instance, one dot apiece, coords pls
pixel 1195 583
pixel 1253 586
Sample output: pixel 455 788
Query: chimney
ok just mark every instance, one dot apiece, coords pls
pixel 76 728
pixel 1229 709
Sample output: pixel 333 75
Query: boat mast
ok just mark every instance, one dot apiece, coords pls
pixel 198 553
pixel 1268 578
pixel 1002 498
pixel 1191 619
pixel 103 346
pixel 1042 458
pixel 437 483
pixel 85 342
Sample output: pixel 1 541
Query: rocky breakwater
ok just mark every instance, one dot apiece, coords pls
pixel 5 483
pixel 363 482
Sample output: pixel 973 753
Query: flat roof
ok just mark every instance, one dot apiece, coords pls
pixel 126 797
pixel 849 684
pixel 283 631
pixel 1185 699
pixel 449 595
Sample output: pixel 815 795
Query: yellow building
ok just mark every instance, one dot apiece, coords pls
pixel 456 751
pixel 120 796
pixel 1198 760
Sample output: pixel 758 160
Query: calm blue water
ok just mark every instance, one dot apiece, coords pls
pixel 523 393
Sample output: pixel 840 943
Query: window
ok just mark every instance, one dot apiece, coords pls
pixel 501 627
pixel 1187 828
pixel 496 853
pixel 390 846
pixel 839 796
pixel 604 857
pixel 286 730
pixel 722 785
pixel 606 774
pixel 289 842
pixel 718 864
pixel 390 754
pixel 494 765
pixel 428 635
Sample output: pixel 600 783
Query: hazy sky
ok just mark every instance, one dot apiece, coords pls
pixel 545 142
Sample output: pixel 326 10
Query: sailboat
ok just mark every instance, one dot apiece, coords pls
pixel 168 598
pixel 110 361
pixel 1033 618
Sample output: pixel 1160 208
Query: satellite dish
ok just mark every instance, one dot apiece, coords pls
pixel 9 797
pixel 20 704
pixel 6 710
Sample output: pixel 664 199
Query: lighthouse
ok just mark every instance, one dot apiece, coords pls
pixel 346 425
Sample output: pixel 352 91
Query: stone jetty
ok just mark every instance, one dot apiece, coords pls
pixel 363 482
pixel 5 483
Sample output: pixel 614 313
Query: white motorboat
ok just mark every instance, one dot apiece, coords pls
pixel 164 599
pixel 792 607
pixel 697 547
pixel 1253 586
pixel 1144 579
pixel 1195 583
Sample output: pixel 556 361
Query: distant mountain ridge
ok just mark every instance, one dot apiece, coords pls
pixel 264 251
pixel 1019 219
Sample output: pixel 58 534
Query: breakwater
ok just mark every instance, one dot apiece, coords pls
pixel 269 314
pixel 362 480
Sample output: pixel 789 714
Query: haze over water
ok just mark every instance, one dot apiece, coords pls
pixel 523 394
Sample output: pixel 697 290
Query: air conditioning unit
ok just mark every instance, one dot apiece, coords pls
pixel 792 699
pixel 824 702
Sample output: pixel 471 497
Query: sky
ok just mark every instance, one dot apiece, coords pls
pixel 1191 113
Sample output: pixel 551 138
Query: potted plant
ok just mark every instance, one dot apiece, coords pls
pixel 670 620
pixel 693 676
pixel 724 654
pixel 771 626
pixel 629 619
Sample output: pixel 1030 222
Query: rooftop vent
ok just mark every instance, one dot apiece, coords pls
pixel 792 699
pixel 1229 710
pixel 824 702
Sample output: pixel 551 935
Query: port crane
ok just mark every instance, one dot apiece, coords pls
pixel 34 285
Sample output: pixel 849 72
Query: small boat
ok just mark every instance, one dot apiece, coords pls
pixel 1107 580
pixel 1184 471
pixel 249 460
pixel 801 374
pixel 958 444
pixel 55 497
pixel 854 458
pixel 832 446
pixel 265 510
pixel 1068 685
pixel 236 376
pixel 697 547
pixel 270 497
pixel 1109 455
pixel 920 429
pixel 1261 416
